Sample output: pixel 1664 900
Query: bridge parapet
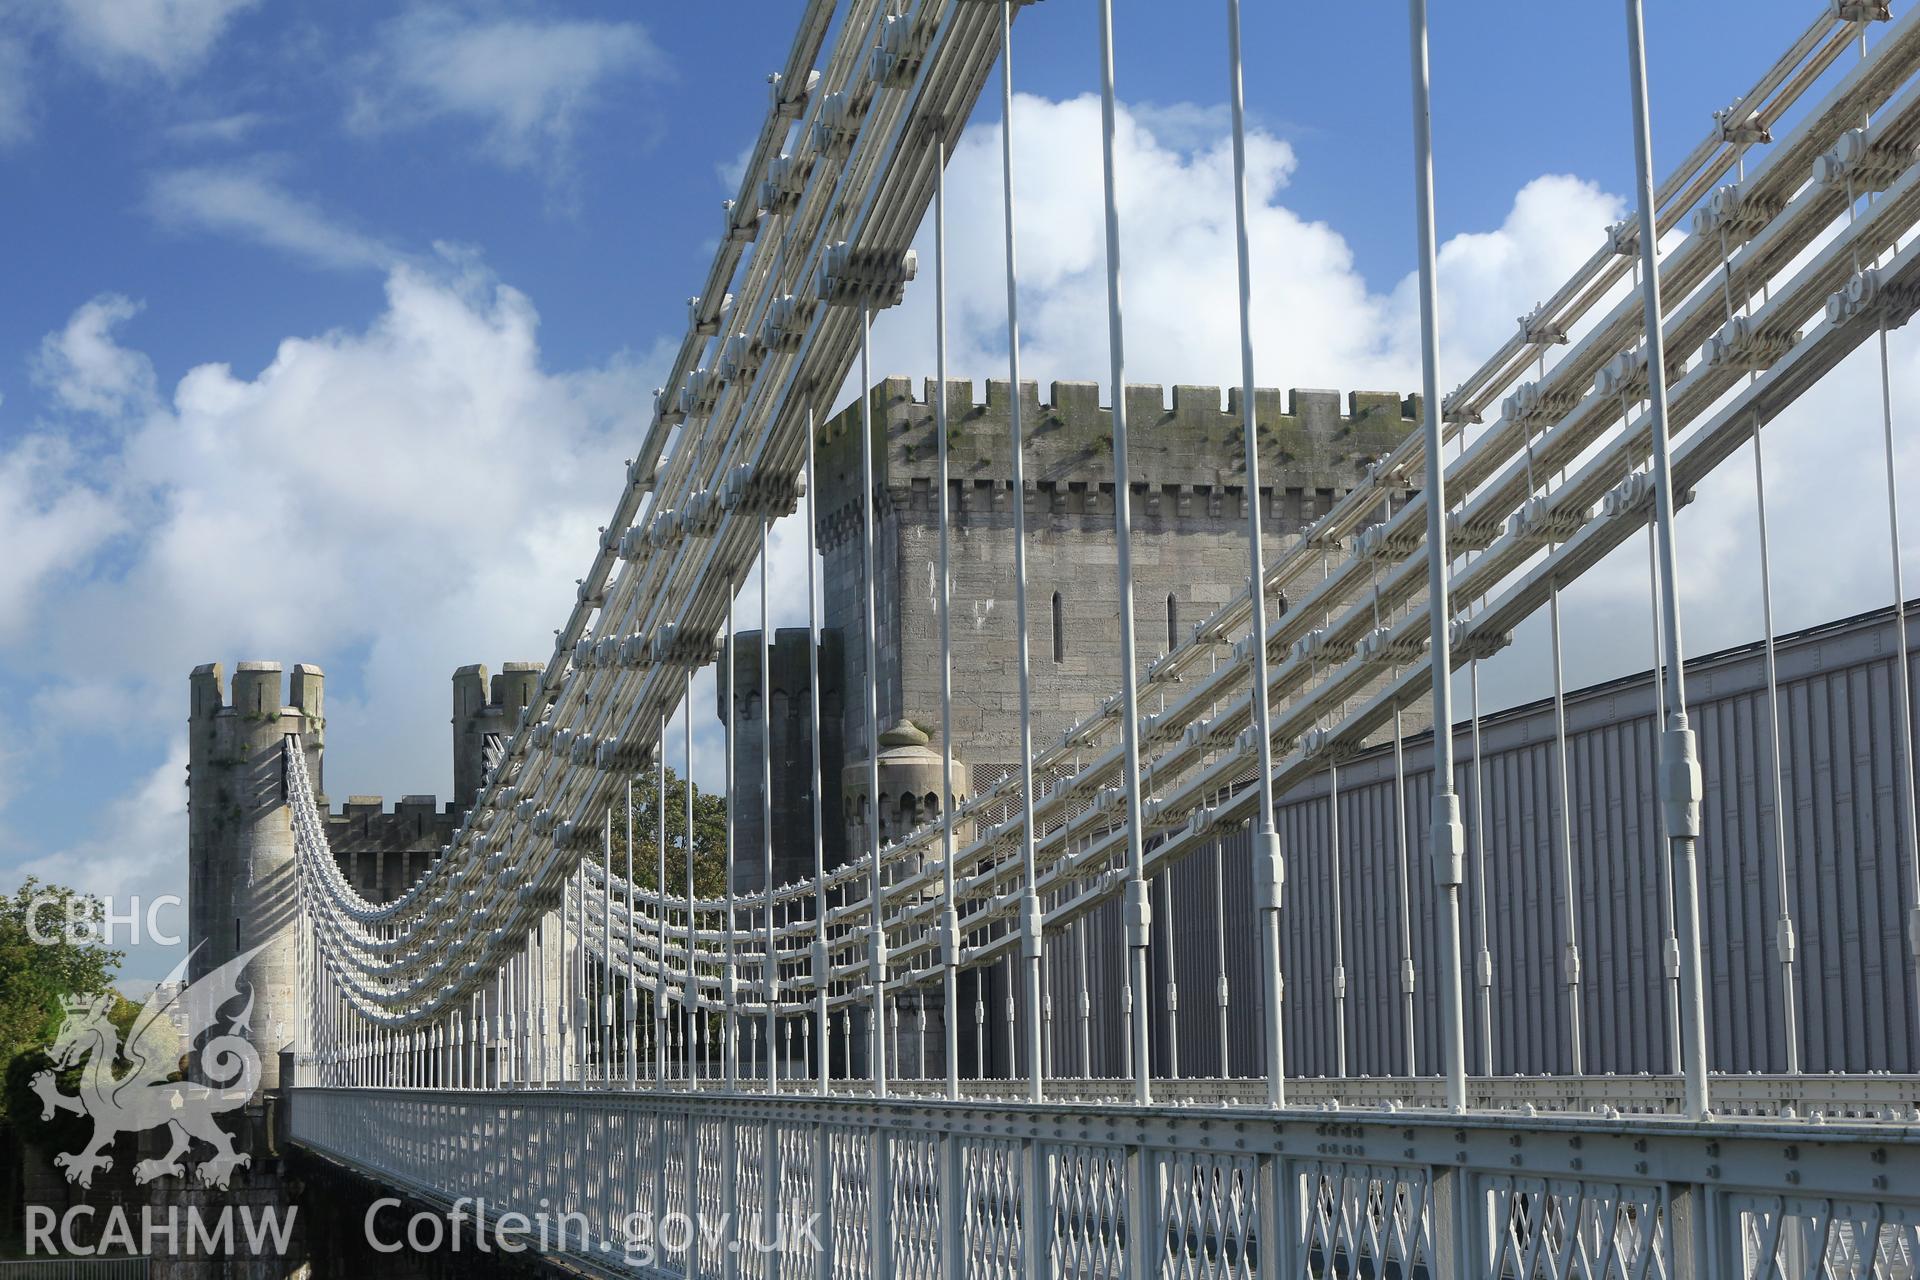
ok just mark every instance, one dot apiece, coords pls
pixel 900 1187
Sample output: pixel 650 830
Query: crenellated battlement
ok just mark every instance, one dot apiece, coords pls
pixel 364 823
pixel 258 692
pixel 407 809
pixel 381 851
pixel 485 715
pixel 1187 449
pixel 232 729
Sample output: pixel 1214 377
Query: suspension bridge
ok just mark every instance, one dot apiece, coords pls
pixel 533 1026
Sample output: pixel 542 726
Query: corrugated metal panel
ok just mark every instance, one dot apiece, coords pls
pixel 1848 887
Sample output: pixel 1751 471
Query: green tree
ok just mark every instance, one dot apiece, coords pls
pixel 36 973
pixel 65 1131
pixel 709 838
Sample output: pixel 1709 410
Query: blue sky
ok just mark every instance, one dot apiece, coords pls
pixel 603 207
pixel 326 326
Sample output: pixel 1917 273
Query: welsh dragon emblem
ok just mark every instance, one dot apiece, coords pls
pixel 143 1098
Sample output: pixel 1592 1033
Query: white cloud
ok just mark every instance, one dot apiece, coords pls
pixel 226 129
pixel 53 516
pixel 86 370
pixel 248 202
pixel 525 82
pixel 16 102
pixel 1316 321
pixel 1488 280
pixel 403 480
pixel 390 501
pixel 1181 126
pixel 730 172
pixel 169 37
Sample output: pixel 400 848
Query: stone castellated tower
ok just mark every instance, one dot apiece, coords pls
pixel 1188 466
pixel 240 852
pixel 1188 469
pixel 1189 541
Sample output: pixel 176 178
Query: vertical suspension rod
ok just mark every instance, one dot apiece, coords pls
pixel 1483 970
pixel 660 1021
pixel 1269 868
pixel 630 1003
pixel 877 940
pixel 692 1001
pixel 730 1027
pixel 950 914
pixel 1563 835
pixel 820 960
pixel 1030 918
pixel 1784 938
pixel 766 814
pixel 1663 865
pixel 1679 760
pixel 1902 659
pixel 579 970
pixel 1139 909
pixel 1339 926
pixel 606 951
pixel 1446 848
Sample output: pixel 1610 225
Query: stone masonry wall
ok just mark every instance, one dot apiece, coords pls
pixel 792 772
pixel 1188 465
pixel 382 854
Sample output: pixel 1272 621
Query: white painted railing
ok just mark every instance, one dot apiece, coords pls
pixel 918 1189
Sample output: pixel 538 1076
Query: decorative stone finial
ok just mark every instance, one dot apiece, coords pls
pixel 905 733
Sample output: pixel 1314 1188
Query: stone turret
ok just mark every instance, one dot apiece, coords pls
pixel 240 846
pixel 484 717
pixel 910 772
pixel 910 793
